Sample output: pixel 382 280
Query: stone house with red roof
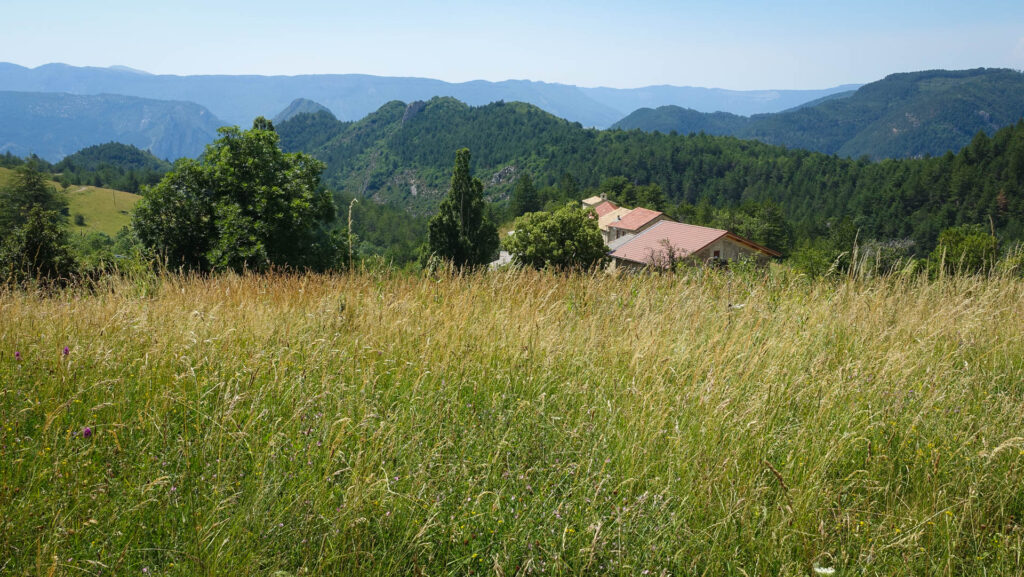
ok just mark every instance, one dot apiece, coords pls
pixel 665 242
pixel 636 221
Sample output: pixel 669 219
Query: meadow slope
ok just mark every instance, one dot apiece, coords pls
pixel 513 424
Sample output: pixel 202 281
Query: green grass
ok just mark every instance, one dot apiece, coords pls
pixel 104 210
pixel 514 424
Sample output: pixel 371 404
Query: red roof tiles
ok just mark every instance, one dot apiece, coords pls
pixel 605 207
pixel 636 219
pixel 652 245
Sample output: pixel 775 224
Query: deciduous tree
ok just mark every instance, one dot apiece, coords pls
pixel 244 203
pixel 567 238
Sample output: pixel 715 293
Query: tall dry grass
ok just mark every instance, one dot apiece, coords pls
pixel 514 424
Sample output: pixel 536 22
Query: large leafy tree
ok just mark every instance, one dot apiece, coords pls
pixel 567 238
pixel 29 189
pixel 33 242
pixel 461 232
pixel 244 203
pixel 39 249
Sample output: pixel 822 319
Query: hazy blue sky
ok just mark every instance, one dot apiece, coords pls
pixel 741 44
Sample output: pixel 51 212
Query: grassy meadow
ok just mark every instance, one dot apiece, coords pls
pixel 103 209
pixel 513 424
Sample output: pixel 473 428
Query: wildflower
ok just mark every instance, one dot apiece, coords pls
pixel 66 351
pixel 86 433
pixel 17 355
pixel 824 570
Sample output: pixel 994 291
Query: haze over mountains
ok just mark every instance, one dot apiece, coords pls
pixel 55 109
pixel 54 125
pixel 910 114
pixel 239 99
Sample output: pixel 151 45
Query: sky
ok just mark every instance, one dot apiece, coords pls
pixel 740 45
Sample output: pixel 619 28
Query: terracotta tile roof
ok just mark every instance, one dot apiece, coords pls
pixel 685 239
pixel 605 207
pixel 636 219
pixel 611 217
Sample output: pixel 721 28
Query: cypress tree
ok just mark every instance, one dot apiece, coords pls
pixel 461 232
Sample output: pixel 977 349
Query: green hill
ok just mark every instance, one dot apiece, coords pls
pixel 403 154
pixel 123 157
pixel 903 115
pixel 112 165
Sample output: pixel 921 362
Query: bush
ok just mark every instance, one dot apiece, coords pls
pixel 966 249
pixel 567 238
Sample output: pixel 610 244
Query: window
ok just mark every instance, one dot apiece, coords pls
pixel 718 254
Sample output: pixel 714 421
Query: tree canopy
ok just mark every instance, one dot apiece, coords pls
pixel 33 242
pixel 524 197
pixel 967 248
pixel 567 238
pixel 461 232
pixel 244 203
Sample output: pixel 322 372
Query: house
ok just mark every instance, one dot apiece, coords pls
pixel 594 201
pixel 605 207
pixel 608 218
pixel 637 221
pixel 665 242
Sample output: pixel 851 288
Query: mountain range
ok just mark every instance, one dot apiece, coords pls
pixel 54 125
pixel 902 115
pixel 239 99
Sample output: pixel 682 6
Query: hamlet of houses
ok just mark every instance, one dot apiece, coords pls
pixel 638 238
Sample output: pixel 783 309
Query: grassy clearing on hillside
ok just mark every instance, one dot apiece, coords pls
pixel 104 210
pixel 514 424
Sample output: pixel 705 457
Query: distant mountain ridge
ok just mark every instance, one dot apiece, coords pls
pixel 300 106
pixel 902 115
pixel 239 99
pixel 54 125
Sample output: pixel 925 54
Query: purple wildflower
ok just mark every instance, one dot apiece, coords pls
pixel 66 351
pixel 86 433
pixel 17 355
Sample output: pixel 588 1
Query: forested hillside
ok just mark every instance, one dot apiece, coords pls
pixel 112 165
pixel 403 153
pixel 903 115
